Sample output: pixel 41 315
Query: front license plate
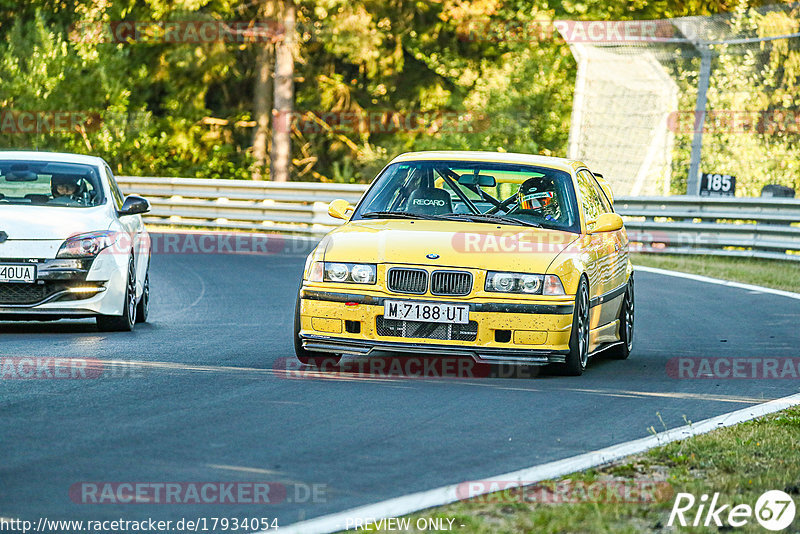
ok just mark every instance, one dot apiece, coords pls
pixel 17 273
pixel 429 312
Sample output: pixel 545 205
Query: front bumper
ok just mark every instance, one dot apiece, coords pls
pixel 67 288
pixel 532 332
pixel 492 355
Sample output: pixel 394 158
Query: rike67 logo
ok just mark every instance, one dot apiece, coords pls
pixel 774 510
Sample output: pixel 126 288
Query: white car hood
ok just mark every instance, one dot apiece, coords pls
pixel 50 223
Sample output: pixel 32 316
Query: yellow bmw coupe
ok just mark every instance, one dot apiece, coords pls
pixel 504 258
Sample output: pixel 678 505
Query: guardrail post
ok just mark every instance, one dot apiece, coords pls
pixel 693 181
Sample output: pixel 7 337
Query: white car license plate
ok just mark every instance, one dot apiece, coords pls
pixel 429 312
pixel 17 273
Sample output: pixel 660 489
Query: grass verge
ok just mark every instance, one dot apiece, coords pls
pixel 776 274
pixel 739 462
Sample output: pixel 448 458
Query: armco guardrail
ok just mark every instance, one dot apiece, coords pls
pixel 754 227
pixel 757 227
pixel 292 207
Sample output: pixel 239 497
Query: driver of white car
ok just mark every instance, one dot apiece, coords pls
pixel 66 189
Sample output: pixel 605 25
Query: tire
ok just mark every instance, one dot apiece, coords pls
pixel 126 321
pixel 306 357
pixel 143 307
pixel 626 322
pixel 578 356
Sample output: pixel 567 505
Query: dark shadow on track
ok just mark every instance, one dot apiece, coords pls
pixel 43 328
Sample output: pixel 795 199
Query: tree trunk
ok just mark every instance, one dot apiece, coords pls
pixel 281 159
pixel 262 95
pixel 262 104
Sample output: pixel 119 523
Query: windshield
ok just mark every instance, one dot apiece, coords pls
pixel 47 183
pixel 487 192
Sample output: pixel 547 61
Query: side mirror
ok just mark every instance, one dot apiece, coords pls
pixel 338 209
pixel 607 222
pixel 134 205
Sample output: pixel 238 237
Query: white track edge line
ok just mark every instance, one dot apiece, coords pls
pixel 447 494
pixel 709 280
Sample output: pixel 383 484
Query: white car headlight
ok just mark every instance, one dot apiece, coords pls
pixel 87 245
pixel 524 283
pixel 355 273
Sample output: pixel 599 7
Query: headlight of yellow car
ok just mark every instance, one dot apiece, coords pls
pixel 524 283
pixel 348 273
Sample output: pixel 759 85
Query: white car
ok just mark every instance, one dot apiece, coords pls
pixel 71 246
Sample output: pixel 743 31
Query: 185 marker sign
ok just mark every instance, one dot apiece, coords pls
pixel 717 185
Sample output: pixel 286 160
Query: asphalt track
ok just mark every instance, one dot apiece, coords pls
pixel 203 400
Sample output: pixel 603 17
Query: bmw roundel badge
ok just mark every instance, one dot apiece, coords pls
pixel 432 256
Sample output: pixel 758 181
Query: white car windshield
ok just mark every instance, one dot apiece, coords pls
pixel 492 193
pixel 47 183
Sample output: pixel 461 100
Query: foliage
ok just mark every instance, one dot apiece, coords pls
pixel 415 75
pixel 753 128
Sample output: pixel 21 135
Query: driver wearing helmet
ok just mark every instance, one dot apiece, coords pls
pixel 65 187
pixel 538 194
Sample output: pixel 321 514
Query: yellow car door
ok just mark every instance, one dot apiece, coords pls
pixel 594 246
pixel 609 263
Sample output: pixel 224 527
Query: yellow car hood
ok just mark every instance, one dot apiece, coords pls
pixel 447 243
